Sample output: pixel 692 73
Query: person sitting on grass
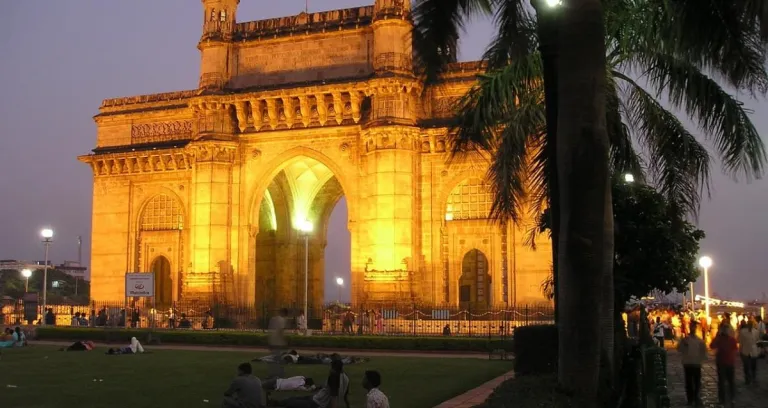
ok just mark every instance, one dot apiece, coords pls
pixel 134 348
pixel 19 338
pixel 374 398
pixel 245 390
pixel 336 387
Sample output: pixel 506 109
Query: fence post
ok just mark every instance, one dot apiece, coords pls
pixel 469 317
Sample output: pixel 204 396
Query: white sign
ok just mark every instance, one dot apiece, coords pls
pixel 139 284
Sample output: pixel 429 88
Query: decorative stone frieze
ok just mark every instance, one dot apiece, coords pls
pixel 122 164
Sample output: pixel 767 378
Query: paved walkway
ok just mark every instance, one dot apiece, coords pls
pixel 476 396
pixel 262 350
pixel 747 396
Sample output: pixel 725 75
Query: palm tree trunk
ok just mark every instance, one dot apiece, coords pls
pixel 586 220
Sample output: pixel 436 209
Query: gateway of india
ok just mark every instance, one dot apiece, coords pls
pixel 214 190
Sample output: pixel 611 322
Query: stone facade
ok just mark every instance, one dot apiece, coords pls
pixel 209 188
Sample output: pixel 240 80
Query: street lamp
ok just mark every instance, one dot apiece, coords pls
pixel 26 273
pixel 47 235
pixel 629 178
pixel 340 283
pixel 548 16
pixel 306 228
pixel 706 262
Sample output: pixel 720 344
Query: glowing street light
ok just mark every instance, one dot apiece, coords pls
pixel 706 262
pixel 47 235
pixel 306 228
pixel 554 3
pixel 26 273
pixel 340 283
pixel 629 178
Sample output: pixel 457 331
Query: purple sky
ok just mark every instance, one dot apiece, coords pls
pixel 61 58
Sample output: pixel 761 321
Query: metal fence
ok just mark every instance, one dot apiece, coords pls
pixel 396 319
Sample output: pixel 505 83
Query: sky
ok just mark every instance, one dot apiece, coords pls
pixel 60 59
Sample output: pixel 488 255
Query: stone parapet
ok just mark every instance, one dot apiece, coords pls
pixel 351 18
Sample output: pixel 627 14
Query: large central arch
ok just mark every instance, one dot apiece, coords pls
pixel 300 186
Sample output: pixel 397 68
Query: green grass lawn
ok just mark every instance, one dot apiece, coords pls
pixel 46 378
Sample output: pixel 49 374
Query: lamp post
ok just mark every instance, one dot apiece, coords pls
pixel 548 15
pixel 47 235
pixel 340 283
pixel 26 273
pixel 706 262
pixel 306 229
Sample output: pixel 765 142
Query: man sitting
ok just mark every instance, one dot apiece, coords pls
pixel 245 390
pixel 336 387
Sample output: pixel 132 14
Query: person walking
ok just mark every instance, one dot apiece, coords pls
pixel 277 343
pixel 749 351
pixel 725 356
pixel 659 332
pixel 694 353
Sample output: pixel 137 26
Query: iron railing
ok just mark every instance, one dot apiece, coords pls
pixel 396 319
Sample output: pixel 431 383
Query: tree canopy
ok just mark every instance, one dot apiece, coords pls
pixel 12 284
pixel 655 247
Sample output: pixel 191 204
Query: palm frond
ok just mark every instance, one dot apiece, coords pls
pixel 624 158
pixel 680 164
pixel 717 113
pixel 504 115
pixel 720 36
pixel 492 103
pixel 516 36
pixel 435 34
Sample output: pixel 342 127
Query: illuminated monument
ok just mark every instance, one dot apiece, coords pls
pixel 207 188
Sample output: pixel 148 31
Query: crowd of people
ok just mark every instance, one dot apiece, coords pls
pixel 732 338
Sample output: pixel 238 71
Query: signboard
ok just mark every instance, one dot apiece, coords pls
pixel 139 284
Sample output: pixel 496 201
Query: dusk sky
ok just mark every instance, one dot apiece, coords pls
pixel 61 58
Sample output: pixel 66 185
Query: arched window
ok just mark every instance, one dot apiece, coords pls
pixel 213 14
pixel 475 280
pixel 162 213
pixel 223 15
pixel 470 200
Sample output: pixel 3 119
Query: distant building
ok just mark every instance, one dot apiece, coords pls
pixel 71 268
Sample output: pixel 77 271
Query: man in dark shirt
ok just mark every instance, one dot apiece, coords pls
pixel 245 390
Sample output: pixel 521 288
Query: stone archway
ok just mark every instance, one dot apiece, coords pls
pixel 302 190
pixel 161 268
pixel 475 281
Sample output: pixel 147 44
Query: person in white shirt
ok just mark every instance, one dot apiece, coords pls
pixel 374 398
pixel 659 332
pixel 693 351
pixel 298 383
pixel 749 351
pixel 301 323
pixel 277 342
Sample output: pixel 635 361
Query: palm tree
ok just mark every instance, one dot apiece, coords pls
pixel 666 43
